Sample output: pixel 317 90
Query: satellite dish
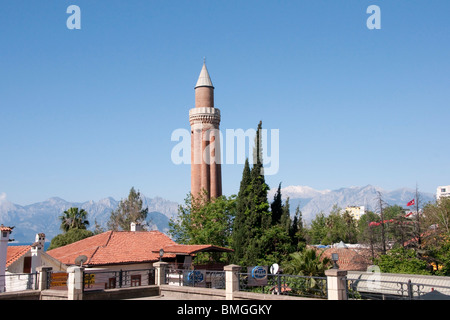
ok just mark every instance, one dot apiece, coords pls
pixel 80 260
pixel 274 268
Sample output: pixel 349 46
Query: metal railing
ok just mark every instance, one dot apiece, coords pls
pixel 111 279
pixel 366 289
pixel 285 284
pixel 195 278
pixel 19 281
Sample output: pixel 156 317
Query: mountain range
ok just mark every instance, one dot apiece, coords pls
pixel 43 216
pixel 313 201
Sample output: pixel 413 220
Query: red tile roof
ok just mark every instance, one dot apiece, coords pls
pixel 13 253
pixel 3 228
pixel 193 248
pixel 123 247
pixel 350 259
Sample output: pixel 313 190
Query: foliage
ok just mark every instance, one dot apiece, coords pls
pixel 72 235
pixel 401 260
pixel 129 210
pixel 318 231
pixel 74 225
pixel 306 263
pixel 438 214
pixel 438 253
pixel 252 215
pixel 204 221
pixel 73 218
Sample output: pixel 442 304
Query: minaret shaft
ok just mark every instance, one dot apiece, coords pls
pixel 205 140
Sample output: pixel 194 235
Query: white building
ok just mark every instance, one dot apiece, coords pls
pixel 355 211
pixel 442 191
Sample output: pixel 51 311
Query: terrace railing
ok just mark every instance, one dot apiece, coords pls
pixel 285 284
pixel 195 278
pixel 111 279
pixel 366 289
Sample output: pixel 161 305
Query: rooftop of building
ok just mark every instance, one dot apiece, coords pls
pixel 126 247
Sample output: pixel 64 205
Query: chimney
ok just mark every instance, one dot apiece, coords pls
pixel 4 239
pixel 36 250
pixel 136 226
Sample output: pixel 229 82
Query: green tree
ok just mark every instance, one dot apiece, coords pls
pixel 437 215
pixel 276 245
pixel 318 230
pixel 240 237
pixel 285 220
pixel 335 226
pixel 306 263
pixel 204 221
pixel 367 234
pixel 401 260
pixel 73 218
pixel 276 207
pixel 71 236
pixel 128 211
pixel 253 215
pixel 351 231
pixel 297 230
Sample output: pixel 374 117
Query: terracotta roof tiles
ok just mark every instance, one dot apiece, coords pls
pixel 13 253
pixel 122 247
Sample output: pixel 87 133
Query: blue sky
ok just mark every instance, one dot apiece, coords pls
pixel 86 114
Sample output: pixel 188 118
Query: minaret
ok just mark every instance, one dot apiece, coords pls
pixel 205 140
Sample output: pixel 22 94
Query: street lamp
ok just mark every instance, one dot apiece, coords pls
pixel 161 253
pixel 335 258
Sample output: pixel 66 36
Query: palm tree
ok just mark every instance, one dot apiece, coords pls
pixel 73 219
pixel 307 263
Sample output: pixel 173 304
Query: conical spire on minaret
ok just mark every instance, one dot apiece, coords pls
pixel 204 79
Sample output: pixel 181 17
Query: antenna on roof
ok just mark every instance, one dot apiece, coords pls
pixel 80 260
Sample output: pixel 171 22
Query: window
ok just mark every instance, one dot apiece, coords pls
pixel 136 280
pixel 442 189
pixel 111 283
pixel 27 265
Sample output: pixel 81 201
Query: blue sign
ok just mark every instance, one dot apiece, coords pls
pixel 257 276
pixel 195 276
pixel 259 273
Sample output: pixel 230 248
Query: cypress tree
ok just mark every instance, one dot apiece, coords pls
pixel 285 220
pixel 277 207
pixel 252 210
pixel 240 235
pixel 259 216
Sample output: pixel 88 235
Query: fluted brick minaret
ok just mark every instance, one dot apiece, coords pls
pixel 205 140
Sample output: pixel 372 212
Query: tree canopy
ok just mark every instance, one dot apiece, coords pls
pixel 129 210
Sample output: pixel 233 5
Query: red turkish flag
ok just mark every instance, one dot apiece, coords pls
pixel 412 202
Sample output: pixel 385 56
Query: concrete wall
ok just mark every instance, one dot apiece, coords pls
pixel 21 295
pixel 124 293
pixel 189 293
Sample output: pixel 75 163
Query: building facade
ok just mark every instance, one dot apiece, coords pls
pixel 206 173
pixel 442 191
pixel 355 211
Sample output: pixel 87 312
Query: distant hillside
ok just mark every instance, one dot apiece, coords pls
pixel 43 216
pixel 313 201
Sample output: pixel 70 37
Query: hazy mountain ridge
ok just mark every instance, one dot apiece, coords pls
pixel 43 216
pixel 313 201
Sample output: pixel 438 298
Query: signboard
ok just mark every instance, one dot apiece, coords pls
pixel 195 278
pixel 58 279
pixel 257 276
pixel 89 279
